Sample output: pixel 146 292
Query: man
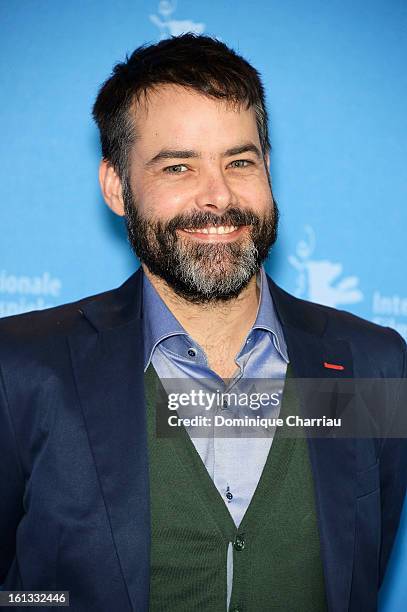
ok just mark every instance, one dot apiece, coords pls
pixel 92 500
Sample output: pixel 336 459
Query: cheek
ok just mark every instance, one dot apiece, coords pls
pixel 163 200
pixel 256 194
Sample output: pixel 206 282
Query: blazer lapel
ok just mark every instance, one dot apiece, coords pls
pixel 108 368
pixel 333 460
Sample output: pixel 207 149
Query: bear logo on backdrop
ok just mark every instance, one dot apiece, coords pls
pixel 322 281
pixel 173 27
pixel 319 280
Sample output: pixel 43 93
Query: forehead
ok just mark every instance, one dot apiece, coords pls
pixel 175 115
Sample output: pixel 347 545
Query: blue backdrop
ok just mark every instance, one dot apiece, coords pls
pixel 336 81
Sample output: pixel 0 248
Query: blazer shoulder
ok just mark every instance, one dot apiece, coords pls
pixel 382 347
pixel 45 327
pixel 368 340
pixel 55 321
pixel 348 326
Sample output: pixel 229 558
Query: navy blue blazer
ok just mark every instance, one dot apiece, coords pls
pixel 74 485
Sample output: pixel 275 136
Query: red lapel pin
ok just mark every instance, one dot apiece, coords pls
pixel 333 366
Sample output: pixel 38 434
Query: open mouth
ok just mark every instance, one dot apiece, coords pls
pixel 212 232
pixel 220 230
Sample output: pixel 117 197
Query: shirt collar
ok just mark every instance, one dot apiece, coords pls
pixel 159 323
pixel 267 317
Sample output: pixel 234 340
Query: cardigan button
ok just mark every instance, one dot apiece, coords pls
pixel 239 543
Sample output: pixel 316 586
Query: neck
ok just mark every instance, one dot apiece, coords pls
pixel 216 324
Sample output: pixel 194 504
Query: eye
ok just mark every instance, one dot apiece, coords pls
pixel 177 169
pixel 240 163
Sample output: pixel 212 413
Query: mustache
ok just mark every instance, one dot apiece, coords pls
pixel 233 216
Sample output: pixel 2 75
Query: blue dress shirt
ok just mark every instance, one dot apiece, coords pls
pixel 174 354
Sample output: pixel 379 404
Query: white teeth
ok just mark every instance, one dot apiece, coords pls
pixel 220 229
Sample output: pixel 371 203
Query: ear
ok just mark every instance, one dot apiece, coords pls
pixel 111 187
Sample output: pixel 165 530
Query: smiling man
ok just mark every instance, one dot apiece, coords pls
pixel 92 499
pixel 199 209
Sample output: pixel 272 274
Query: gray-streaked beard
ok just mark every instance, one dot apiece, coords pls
pixel 215 271
pixel 197 271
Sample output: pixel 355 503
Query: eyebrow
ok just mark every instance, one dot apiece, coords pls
pixel 172 154
pixel 247 147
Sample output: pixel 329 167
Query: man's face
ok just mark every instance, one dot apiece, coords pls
pixel 198 203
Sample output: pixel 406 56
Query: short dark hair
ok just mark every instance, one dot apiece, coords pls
pixel 201 63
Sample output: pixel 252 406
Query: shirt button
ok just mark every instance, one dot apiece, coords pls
pixel 225 403
pixel 239 543
pixel 191 352
pixel 229 495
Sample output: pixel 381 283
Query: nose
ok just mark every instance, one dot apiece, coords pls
pixel 214 192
